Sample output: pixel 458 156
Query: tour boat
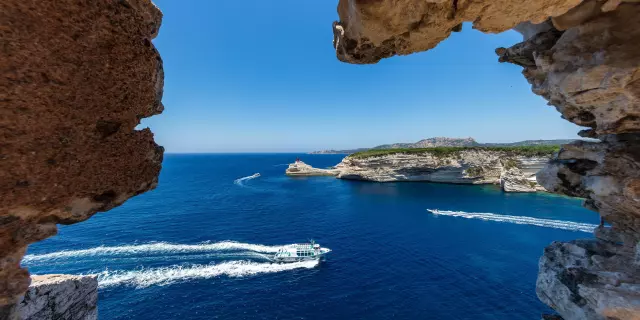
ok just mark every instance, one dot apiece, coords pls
pixel 300 252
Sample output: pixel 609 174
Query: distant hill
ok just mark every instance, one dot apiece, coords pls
pixel 449 142
pixel 432 142
pixel 347 151
pixel 529 143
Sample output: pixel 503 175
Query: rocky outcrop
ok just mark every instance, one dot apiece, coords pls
pixel 590 72
pixel 514 180
pixel 584 58
pixel 467 166
pixel 587 279
pixel 60 296
pixel 607 174
pixel 372 30
pixel 300 168
pixel 604 274
pixel 76 79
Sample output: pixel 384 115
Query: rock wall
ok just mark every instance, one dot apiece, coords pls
pixel 76 79
pixel 514 180
pixel 584 58
pixel 301 169
pixel 372 30
pixel 586 279
pixel 471 166
pixel 60 296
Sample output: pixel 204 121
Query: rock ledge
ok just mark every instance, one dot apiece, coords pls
pixel 300 168
pixel 59 296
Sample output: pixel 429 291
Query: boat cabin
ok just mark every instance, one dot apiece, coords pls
pixel 299 250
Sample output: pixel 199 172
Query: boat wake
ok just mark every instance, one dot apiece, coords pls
pixel 243 179
pixel 548 223
pixel 153 248
pixel 178 253
pixel 167 275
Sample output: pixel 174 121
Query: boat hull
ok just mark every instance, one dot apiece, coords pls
pixel 297 259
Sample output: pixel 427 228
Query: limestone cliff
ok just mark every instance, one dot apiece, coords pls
pixel 585 279
pixel 59 296
pixel 464 166
pixel 301 169
pixel 76 79
pixel 513 179
pixel 584 58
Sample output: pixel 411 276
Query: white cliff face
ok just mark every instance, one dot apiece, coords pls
pixel 590 279
pixel 300 168
pixel 596 279
pixel 59 296
pixel 514 180
pixel 472 166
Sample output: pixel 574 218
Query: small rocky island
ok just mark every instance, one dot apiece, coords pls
pixel 513 168
pixel 300 168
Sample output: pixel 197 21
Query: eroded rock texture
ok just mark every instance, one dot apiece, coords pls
pixel 301 169
pixel 596 279
pixel 470 166
pixel 582 56
pixel 76 77
pixel 514 180
pixel 589 279
pixel 607 174
pixel 371 30
pixel 59 296
pixel 592 72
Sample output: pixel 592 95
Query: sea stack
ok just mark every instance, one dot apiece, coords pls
pixel 300 168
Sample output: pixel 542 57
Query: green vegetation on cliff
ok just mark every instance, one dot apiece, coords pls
pixel 524 151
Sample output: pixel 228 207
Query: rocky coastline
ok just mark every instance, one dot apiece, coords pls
pixel 514 172
pixel 581 56
pixel 301 169
pixel 60 296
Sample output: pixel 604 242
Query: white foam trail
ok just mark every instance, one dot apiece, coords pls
pixel 557 224
pixel 168 275
pixel 166 259
pixel 240 180
pixel 153 248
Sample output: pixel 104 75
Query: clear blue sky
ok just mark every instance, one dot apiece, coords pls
pixel 262 76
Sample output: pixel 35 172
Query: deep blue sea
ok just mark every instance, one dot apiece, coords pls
pixel 197 247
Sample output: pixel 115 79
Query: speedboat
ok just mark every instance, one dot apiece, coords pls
pixel 300 252
pixel 255 175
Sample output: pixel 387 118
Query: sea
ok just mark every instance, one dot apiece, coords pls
pixel 199 246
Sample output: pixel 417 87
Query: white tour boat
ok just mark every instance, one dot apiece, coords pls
pixel 300 252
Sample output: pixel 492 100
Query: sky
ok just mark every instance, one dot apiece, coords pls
pixel 262 76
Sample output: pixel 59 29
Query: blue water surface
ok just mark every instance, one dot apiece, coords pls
pixel 391 258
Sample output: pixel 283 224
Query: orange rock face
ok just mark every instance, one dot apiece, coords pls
pixel 76 78
pixel 370 30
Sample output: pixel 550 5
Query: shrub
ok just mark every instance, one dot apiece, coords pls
pixel 510 163
pixel 474 171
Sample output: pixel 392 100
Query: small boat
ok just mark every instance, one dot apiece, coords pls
pixel 255 175
pixel 300 252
